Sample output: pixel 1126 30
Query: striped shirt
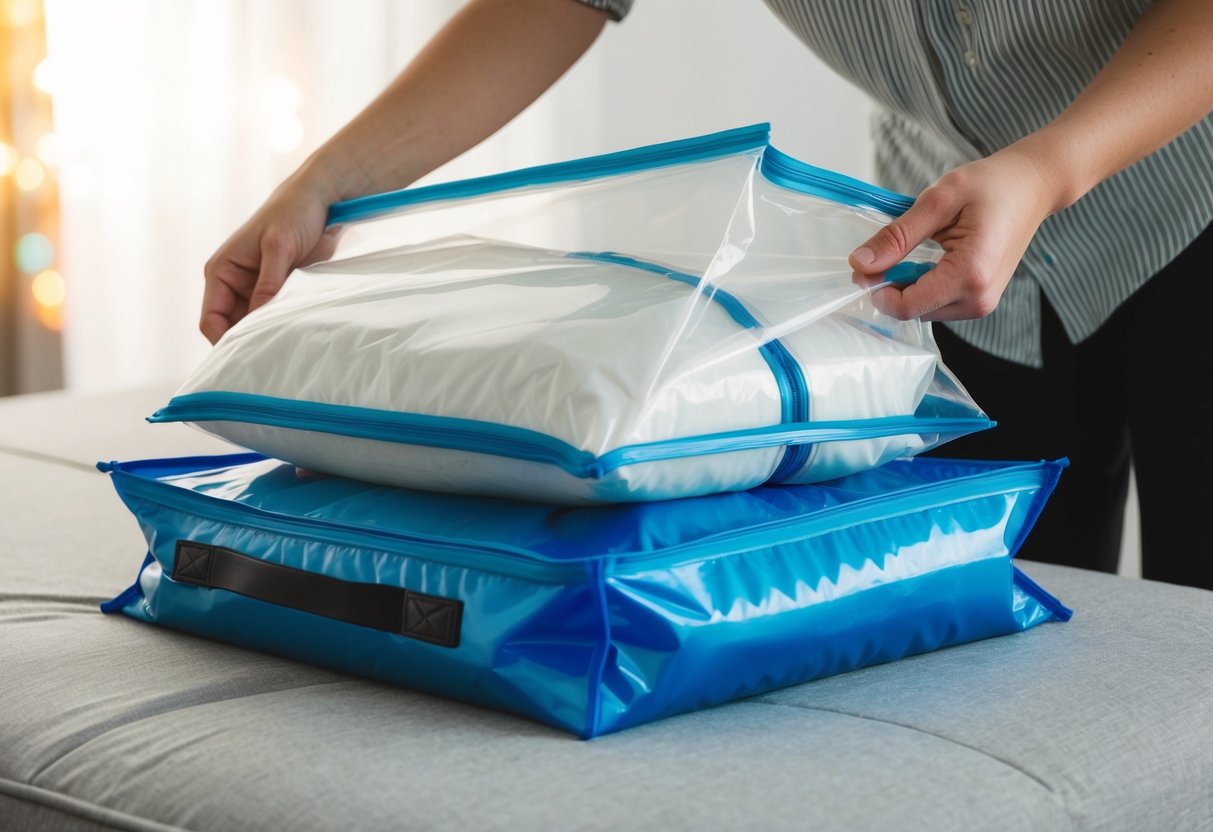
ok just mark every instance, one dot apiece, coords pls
pixel 955 80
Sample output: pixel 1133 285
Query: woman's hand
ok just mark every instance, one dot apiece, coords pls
pixel 486 65
pixel 1157 84
pixel 251 266
pixel 983 214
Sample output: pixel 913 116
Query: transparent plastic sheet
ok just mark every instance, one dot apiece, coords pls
pixel 664 322
pixel 591 619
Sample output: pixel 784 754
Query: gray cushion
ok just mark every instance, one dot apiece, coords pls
pixel 100 427
pixel 1103 723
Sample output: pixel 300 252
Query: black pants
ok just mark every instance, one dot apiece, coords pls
pixel 1139 392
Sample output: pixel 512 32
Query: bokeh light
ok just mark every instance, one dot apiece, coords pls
pixel 30 156
pixel 29 174
pixel 279 95
pixel 50 317
pixel 283 133
pixel 8 158
pixel 46 76
pixel 20 13
pixel 48 288
pixel 48 149
pixel 33 253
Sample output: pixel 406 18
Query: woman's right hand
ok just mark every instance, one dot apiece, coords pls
pixel 485 66
pixel 288 231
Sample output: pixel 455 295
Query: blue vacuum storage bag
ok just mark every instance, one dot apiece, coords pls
pixel 591 619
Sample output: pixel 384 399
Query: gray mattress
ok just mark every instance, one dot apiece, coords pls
pixel 1104 723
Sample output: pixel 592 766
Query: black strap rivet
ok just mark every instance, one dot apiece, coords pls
pixel 431 618
pixel 192 563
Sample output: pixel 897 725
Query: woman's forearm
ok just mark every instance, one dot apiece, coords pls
pixel 1156 85
pixel 486 65
pixel 483 68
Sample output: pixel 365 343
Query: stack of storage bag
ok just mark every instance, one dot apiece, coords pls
pixel 596 442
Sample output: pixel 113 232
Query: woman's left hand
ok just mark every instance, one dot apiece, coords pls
pixel 983 214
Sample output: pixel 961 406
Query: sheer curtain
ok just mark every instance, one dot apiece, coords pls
pixel 31 286
pixel 176 118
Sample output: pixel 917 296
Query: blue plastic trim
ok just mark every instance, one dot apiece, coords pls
pixel 500 559
pixel 382 425
pixel 785 170
pixel 597 583
pixel 592 167
pixel 1060 611
pixel 506 559
pixel 907 271
pixel 736 309
pixel 792 433
pixel 789 172
pixel 1039 506
pixel 864 510
pixel 133 592
pixel 793 389
pixel 519 443
pixel 796 410
pixel 182 462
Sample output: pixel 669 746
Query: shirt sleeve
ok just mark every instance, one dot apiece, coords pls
pixel 617 9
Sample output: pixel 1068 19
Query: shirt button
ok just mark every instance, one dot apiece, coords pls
pixel 971 58
pixel 964 16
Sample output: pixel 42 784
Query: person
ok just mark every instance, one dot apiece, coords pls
pixel 1062 156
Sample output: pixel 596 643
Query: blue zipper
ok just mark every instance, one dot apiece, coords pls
pixel 794 433
pixel 793 389
pixel 862 511
pixel 499 559
pixel 782 169
pixel 1059 610
pixel 381 425
pixel 519 443
pixel 532 565
pixel 636 159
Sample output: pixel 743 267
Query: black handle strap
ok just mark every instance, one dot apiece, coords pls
pixel 404 612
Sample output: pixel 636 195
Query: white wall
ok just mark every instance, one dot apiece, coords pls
pixel 676 68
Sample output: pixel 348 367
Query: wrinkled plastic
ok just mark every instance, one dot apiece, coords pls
pixel 596 619
pixel 665 322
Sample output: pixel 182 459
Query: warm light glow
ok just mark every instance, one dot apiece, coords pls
pixel 8 158
pixel 48 288
pixel 30 175
pixel 33 253
pixel 279 95
pixel 77 180
pixel 20 12
pixel 48 149
pixel 30 154
pixel 277 102
pixel 46 76
pixel 50 317
pixel 283 133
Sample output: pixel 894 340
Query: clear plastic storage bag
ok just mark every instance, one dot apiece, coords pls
pixel 592 619
pixel 663 322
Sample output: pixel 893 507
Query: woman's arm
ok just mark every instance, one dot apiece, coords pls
pixel 486 65
pixel 1157 85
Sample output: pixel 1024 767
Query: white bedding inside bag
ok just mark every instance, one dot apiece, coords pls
pixel 643 333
